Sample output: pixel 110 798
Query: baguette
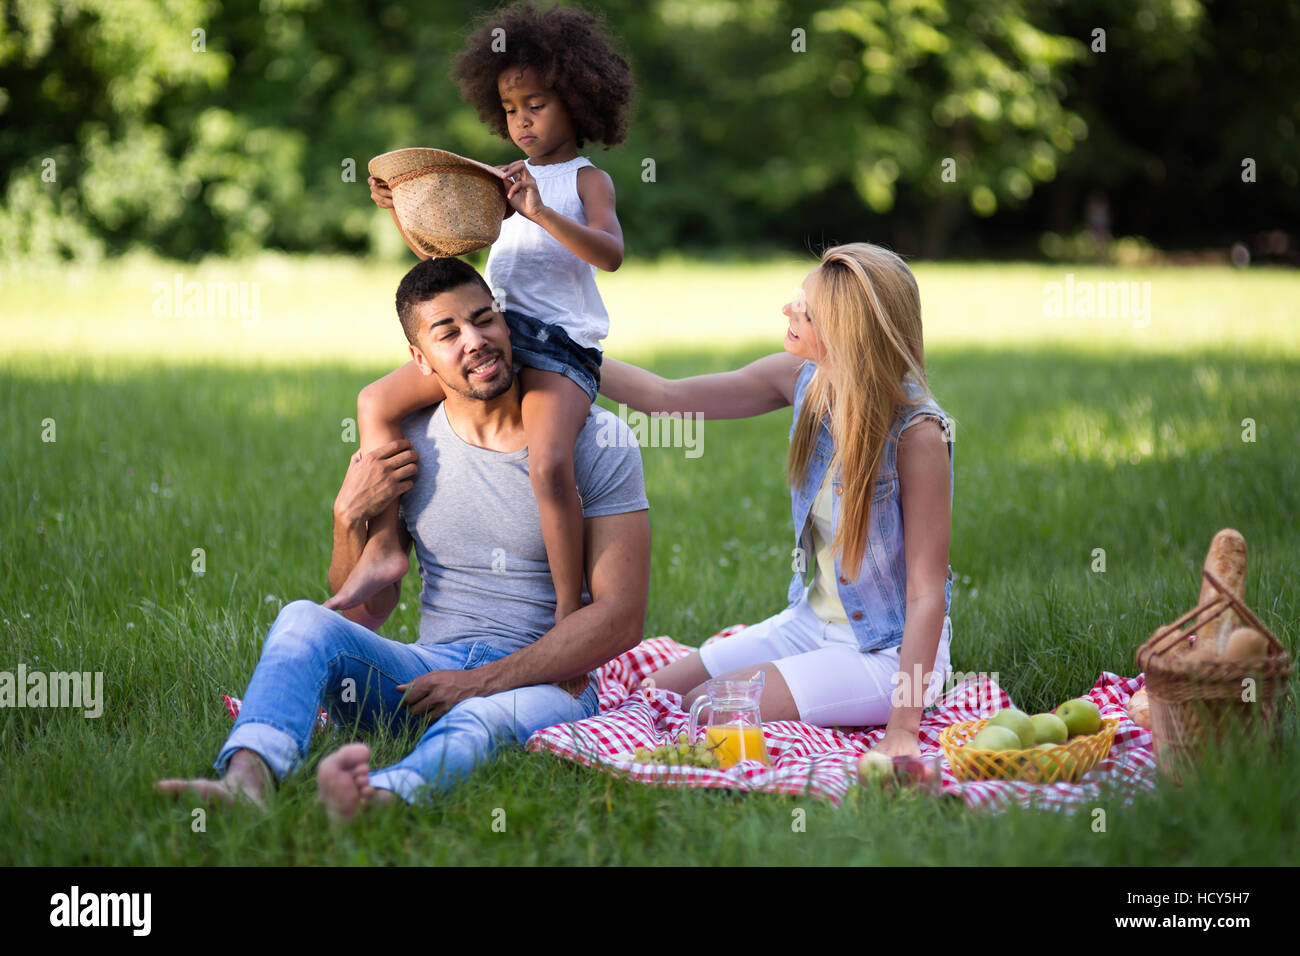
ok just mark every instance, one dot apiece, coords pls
pixel 1226 560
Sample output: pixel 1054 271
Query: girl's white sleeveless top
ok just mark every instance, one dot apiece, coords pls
pixel 538 276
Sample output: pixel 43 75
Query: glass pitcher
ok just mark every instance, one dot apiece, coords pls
pixel 735 728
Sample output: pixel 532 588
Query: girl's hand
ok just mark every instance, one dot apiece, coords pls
pixel 899 743
pixel 380 193
pixel 523 194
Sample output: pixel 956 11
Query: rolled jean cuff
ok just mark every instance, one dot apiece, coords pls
pixel 278 749
pixel 400 780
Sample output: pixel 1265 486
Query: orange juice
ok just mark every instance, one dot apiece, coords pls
pixel 732 743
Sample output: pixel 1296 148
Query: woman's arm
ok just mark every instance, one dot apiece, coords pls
pixel 923 479
pixel 761 386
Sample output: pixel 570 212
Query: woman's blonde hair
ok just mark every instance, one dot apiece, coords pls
pixel 867 315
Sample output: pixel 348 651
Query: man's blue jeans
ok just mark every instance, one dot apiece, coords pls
pixel 312 653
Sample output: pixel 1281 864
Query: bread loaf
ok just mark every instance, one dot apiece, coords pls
pixel 1139 710
pixel 1244 644
pixel 1226 560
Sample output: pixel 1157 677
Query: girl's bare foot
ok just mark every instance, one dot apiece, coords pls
pixel 343 782
pixel 563 610
pixel 376 569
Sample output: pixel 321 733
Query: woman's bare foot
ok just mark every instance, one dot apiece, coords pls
pixel 246 778
pixel 343 782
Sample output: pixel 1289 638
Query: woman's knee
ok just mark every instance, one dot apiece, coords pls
pixel 551 471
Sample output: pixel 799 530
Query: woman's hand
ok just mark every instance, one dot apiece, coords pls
pixel 380 193
pixel 899 743
pixel 522 193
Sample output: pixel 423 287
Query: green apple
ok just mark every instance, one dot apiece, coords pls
pixel 874 766
pixel 1068 766
pixel 994 737
pixel 1081 716
pixel 1049 729
pixel 1040 761
pixel 1016 721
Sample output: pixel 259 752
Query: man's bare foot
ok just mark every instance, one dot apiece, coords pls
pixel 246 778
pixel 343 782
pixel 378 567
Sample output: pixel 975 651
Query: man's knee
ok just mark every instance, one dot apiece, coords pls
pixel 482 719
pixel 301 623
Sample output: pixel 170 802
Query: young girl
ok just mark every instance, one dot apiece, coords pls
pixel 557 84
pixel 870 470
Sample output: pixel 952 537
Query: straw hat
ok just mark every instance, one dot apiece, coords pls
pixel 447 205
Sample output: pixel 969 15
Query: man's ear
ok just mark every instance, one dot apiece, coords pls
pixel 421 362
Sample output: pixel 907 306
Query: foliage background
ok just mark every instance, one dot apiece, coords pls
pixel 241 147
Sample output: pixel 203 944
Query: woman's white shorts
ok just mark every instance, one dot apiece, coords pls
pixel 833 682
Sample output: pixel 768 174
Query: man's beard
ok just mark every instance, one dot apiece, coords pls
pixel 486 391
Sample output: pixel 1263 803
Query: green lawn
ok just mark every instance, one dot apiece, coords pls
pixel 176 433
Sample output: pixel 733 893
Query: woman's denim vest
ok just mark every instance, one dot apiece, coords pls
pixel 876 602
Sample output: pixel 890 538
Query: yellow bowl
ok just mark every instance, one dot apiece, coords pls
pixel 1067 762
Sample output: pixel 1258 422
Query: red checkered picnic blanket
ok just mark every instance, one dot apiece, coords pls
pixel 820 761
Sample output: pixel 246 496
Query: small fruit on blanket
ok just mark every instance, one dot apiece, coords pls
pixel 916 769
pixel 1017 721
pixel 995 738
pixel 1139 709
pixel 1049 729
pixel 1081 716
pixel 1244 644
pixel 680 754
pixel 874 766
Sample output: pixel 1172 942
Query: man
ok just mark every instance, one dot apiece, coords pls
pixel 490 660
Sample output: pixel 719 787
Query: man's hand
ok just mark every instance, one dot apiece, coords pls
pixel 435 693
pixel 374 480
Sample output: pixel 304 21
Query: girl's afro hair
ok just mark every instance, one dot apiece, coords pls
pixel 568 48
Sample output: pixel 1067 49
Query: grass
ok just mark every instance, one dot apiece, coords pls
pixel 175 434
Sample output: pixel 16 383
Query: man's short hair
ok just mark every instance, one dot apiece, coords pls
pixel 428 279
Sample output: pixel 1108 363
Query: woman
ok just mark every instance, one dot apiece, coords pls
pixel 867 641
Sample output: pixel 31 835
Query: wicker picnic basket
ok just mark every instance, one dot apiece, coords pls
pixel 446 204
pixel 1065 763
pixel 1193 700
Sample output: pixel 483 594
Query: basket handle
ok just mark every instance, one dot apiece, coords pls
pixel 1169 636
pixel 1245 613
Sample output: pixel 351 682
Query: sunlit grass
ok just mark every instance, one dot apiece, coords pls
pixel 175 434
pixel 341 310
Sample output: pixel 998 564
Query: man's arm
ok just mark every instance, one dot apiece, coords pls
pixel 373 481
pixel 617 551
pixel 350 537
